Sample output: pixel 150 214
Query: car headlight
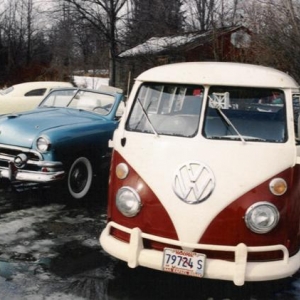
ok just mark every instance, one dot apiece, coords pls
pixel 262 217
pixel 128 202
pixel 43 144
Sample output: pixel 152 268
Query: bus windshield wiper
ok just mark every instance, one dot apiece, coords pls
pixel 147 117
pixel 227 120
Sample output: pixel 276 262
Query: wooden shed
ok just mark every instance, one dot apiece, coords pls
pixel 222 44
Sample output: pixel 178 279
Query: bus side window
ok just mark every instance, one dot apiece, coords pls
pixel 296 108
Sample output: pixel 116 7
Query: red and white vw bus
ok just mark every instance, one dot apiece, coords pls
pixel 205 174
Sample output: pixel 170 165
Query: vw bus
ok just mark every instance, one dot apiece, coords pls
pixel 205 173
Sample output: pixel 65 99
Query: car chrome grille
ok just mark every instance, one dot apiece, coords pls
pixel 8 153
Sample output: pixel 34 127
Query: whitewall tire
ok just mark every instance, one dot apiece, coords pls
pixel 80 178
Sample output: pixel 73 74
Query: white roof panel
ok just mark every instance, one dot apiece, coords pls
pixel 219 73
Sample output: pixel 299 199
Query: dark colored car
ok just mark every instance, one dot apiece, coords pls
pixel 64 139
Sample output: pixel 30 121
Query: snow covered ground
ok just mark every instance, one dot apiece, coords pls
pixel 90 82
pixel 47 252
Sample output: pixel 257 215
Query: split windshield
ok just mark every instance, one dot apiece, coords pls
pixel 247 114
pixel 167 110
pixel 230 113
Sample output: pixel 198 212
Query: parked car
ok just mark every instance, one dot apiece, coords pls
pixel 64 139
pixel 27 95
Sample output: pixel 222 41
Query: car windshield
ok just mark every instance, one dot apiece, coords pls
pixel 167 109
pixel 80 99
pixel 246 114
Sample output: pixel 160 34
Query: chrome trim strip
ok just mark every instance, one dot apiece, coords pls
pixel 38 177
pixel 21 149
pixel 7 158
pixel 49 164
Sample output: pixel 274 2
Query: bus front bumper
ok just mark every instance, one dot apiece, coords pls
pixel 237 271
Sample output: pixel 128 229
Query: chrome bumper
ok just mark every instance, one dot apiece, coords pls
pixel 12 173
pixel 34 168
pixel 237 271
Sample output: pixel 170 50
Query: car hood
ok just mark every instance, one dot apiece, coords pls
pixel 22 129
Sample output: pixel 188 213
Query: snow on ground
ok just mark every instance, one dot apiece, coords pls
pixel 90 82
pixel 19 231
pixel 17 224
pixel 55 296
pixel 35 238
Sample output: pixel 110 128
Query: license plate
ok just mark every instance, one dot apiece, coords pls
pixel 184 262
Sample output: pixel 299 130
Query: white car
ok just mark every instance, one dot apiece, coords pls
pixel 26 96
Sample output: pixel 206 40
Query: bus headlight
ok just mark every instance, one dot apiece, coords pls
pixel 128 202
pixel 261 217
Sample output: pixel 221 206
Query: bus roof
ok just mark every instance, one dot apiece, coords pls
pixel 219 73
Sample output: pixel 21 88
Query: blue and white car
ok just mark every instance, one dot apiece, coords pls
pixel 64 139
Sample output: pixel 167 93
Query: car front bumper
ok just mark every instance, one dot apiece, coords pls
pixel 50 171
pixel 32 166
pixel 238 271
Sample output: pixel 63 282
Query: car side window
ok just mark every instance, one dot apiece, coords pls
pixel 37 92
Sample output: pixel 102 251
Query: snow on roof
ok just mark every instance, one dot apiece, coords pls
pixel 159 44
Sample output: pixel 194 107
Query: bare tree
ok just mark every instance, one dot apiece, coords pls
pixel 208 14
pixel 150 18
pixel 202 13
pixel 104 16
pixel 95 30
pixel 13 36
pixel 22 41
pixel 90 46
pixel 276 33
pixel 29 26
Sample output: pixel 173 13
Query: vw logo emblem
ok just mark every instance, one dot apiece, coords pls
pixel 193 182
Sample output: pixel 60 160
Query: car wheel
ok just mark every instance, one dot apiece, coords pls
pixel 80 178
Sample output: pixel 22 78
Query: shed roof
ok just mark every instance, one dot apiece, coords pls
pixel 157 45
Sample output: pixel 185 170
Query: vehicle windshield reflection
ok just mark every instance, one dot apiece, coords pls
pixel 247 114
pixel 80 99
pixel 167 109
